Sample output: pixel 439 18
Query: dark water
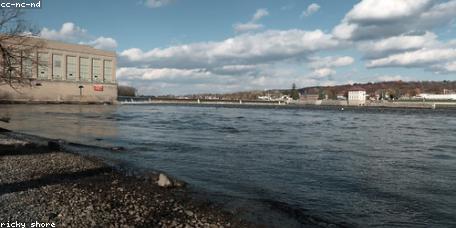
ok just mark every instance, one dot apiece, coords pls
pixel 357 167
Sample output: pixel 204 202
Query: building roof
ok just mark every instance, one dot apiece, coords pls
pixel 58 45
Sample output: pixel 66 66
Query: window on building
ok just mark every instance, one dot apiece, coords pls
pixel 57 69
pixel 107 71
pixel 43 68
pixel 84 65
pixel 71 68
pixel 27 66
pixel 14 67
pixel 96 70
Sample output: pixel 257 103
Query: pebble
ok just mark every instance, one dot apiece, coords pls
pixel 189 213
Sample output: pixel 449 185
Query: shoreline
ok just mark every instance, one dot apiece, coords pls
pixel 298 106
pixel 40 183
pixel 335 104
pixel 430 105
pixel 48 181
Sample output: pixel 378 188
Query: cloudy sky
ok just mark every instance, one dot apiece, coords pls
pixel 184 47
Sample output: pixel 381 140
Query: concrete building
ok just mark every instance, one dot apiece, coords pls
pixel 356 96
pixel 309 97
pixel 61 72
pixel 427 96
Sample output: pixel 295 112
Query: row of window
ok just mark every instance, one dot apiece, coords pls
pixel 101 69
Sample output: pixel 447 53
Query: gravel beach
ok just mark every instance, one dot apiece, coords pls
pixel 40 185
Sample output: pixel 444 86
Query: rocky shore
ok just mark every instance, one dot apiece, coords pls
pixel 42 185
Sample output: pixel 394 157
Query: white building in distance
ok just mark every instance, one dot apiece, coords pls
pixel 357 96
pixel 427 96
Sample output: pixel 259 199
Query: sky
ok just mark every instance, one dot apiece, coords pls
pixel 213 46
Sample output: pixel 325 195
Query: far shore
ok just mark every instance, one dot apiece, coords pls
pixel 341 104
pixel 296 104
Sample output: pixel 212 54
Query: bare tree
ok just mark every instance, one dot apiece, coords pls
pixel 18 50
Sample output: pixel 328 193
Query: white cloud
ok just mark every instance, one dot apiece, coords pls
pixel 253 23
pixel 69 32
pixel 244 62
pixel 330 62
pixel 345 30
pixel 323 72
pixel 389 78
pixel 311 9
pixel 371 11
pixel 245 49
pixel 423 51
pixel 381 48
pixel 223 79
pixel 418 58
pixel 239 69
pixel 442 13
pixel 399 35
pixel 450 67
pixel 154 74
pixel 323 67
pixel 373 19
pixel 191 81
pixel 246 27
pixel 445 68
pixel 157 3
pixel 260 13
pixel 105 43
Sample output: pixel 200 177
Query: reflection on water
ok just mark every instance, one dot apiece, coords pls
pixel 78 123
pixel 366 168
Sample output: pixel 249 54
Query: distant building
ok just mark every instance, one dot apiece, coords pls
pixel 341 97
pixel 356 96
pixel 427 96
pixel 61 72
pixel 285 98
pixel 308 97
pixel 265 98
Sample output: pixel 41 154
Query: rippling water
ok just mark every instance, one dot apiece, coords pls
pixel 356 167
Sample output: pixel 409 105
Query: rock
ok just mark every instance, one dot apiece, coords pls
pixel 168 182
pixel 56 144
pixel 164 181
pixel 178 183
pixel 189 213
pixel 52 215
pixel 117 148
pixel 5 119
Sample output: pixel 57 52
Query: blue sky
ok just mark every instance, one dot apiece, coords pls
pixel 185 47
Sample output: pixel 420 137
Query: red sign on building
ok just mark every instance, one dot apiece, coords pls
pixel 98 88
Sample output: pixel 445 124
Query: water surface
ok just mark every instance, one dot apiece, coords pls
pixel 357 167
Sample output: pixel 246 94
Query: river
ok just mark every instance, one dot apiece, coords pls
pixel 280 166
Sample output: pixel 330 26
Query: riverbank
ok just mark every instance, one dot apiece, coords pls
pixel 40 183
pixel 319 103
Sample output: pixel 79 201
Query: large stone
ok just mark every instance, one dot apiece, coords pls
pixel 168 182
pixel 56 144
pixel 5 119
pixel 164 181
